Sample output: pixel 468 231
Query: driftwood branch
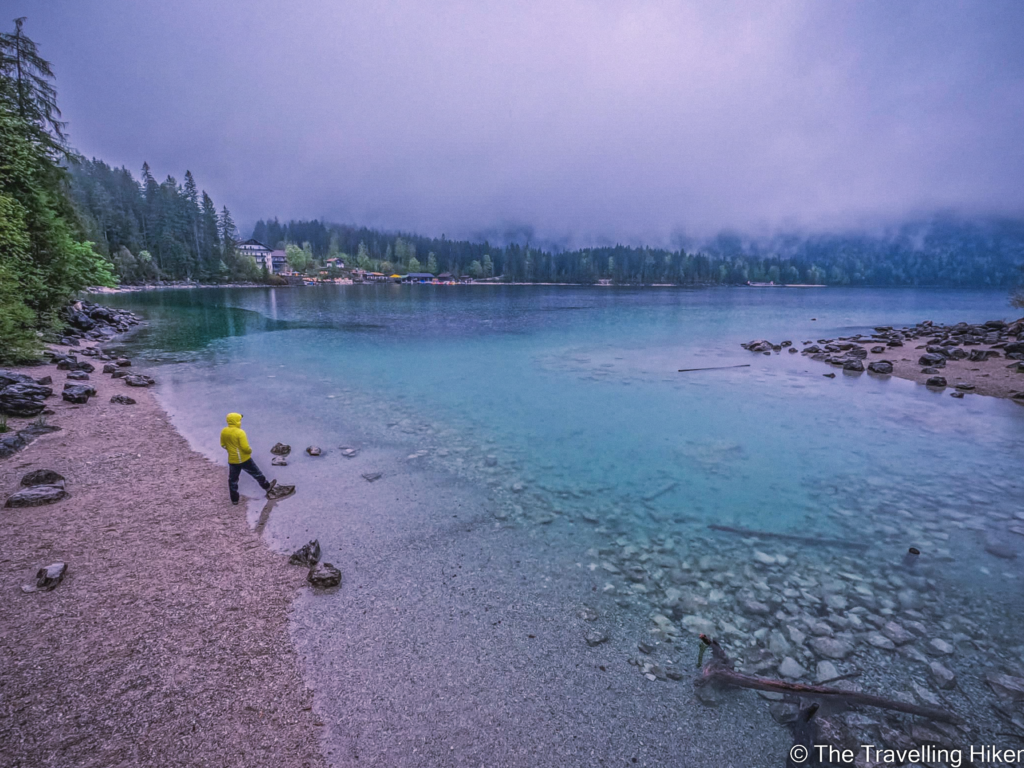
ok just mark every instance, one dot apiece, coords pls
pixel 791 537
pixel 714 368
pixel 720 670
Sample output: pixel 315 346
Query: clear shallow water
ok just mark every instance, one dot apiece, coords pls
pixel 565 407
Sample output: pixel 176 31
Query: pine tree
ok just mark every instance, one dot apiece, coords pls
pixel 210 239
pixel 26 85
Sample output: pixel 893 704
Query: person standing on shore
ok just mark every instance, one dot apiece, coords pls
pixel 234 441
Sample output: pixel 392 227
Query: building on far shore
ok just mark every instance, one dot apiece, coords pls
pixel 418 277
pixel 258 251
pixel 280 261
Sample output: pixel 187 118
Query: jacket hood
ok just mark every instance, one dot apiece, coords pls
pixel 234 419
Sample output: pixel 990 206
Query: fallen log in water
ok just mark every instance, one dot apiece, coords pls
pixel 719 670
pixel 791 537
pixel 714 368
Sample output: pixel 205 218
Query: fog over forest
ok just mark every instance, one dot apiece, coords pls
pixel 570 124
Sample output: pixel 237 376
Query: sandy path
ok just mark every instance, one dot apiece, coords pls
pixel 167 643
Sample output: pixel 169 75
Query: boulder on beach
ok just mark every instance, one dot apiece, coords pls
pixel 23 400
pixel 109 368
pixel 932 360
pixel 314 450
pixel 138 380
pixel 78 393
pixel 37 496
pixel 280 449
pixel 854 366
pixel 324 576
pixel 78 376
pixel 122 399
pixel 48 578
pixel 41 477
pixel 10 377
pixel 936 381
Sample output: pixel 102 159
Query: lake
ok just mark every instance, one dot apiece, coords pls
pixel 527 575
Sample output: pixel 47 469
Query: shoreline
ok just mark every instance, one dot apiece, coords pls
pixel 937 356
pixel 169 635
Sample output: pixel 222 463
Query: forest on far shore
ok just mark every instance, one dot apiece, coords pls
pixel 153 230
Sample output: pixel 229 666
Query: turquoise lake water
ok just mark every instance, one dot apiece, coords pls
pixel 564 405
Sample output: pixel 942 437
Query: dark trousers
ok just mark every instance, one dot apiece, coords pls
pixel 249 466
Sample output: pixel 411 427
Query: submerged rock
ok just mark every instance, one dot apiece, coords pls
pixel 831 647
pixel 942 676
pixel 372 477
pixel 791 668
pixel 324 576
pixel 308 555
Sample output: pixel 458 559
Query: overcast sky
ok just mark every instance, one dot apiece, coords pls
pixel 596 121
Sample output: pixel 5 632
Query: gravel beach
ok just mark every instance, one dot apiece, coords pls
pixel 167 643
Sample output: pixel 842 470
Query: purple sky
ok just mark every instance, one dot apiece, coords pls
pixel 587 121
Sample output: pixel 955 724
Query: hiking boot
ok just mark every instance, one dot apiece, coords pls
pixel 271 487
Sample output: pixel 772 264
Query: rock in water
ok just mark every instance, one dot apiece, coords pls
pixel 880 366
pixel 349 453
pixel 281 449
pixel 308 555
pixel 122 399
pixel 42 477
pixel 372 476
pixel 37 496
pixel 48 578
pixel 324 576
pixel 280 491
pixel 314 450
pixel 936 381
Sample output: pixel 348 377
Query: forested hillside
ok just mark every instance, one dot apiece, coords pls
pixel 942 251
pixel 44 260
pixel 152 231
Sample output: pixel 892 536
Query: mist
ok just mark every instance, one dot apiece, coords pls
pixel 575 122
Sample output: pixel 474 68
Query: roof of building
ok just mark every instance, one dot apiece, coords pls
pixel 254 242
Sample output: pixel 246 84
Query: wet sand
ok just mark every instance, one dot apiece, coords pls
pixel 167 643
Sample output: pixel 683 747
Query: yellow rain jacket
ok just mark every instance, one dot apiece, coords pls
pixel 234 441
